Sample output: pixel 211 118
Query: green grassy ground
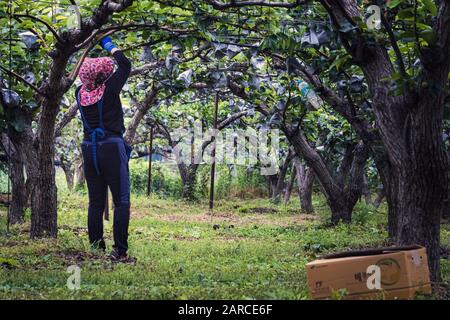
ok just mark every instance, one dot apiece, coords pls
pixel 246 250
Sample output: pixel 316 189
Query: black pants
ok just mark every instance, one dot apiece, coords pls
pixel 112 161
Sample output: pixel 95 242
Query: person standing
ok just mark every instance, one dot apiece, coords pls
pixel 104 150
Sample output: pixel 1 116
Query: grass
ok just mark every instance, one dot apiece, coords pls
pixel 250 249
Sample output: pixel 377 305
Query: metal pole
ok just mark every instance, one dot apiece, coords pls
pixel 213 154
pixel 149 176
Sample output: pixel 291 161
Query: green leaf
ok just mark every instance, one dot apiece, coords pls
pixel 406 14
pixel 394 3
pixel 430 6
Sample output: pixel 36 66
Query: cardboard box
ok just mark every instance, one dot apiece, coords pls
pixel 403 272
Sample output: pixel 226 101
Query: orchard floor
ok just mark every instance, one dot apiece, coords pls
pixel 246 249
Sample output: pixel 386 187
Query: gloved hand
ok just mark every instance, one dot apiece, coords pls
pixel 107 44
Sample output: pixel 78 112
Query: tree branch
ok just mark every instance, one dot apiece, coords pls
pixel 142 109
pixel 20 78
pixel 263 3
pixel 393 40
pixel 49 27
pixel 66 118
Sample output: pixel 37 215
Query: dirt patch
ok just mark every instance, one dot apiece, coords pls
pixel 77 256
pixel 135 214
pixel 224 219
pixel 262 210
pixel 184 238
pixel 201 218
pixel 230 237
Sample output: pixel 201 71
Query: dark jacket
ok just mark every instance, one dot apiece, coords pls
pixel 112 107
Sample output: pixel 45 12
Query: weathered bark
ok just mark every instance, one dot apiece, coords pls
pixel 278 181
pixel 44 193
pixel 20 144
pixel 67 167
pixel 379 199
pixel 446 211
pixel 342 175
pixel 290 185
pixel 189 181
pixel 271 184
pixel 365 191
pixel 79 175
pixel 305 181
pixel 142 109
pixel 65 119
pixel 18 199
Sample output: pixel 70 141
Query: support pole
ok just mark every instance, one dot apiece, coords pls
pixel 213 154
pixel 149 175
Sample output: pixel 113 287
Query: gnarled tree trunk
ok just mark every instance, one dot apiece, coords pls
pixel 277 181
pixel 44 194
pixel 446 211
pixel 290 185
pixel 305 181
pixel 189 180
pixel 79 175
pixel 366 190
pixel 67 167
pixel 18 195
pixel 342 193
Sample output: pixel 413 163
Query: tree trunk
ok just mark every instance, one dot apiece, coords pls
pixel 305 181
pixel 79 175
pixel 379 199
pixel 69 178
pixel 278 181
pixel 68 171
pixel 287 194
pixel 17 177
pixel 44 194
pixel 272 184
pixel 19 197
pixel 366 190
pixel 189 181
pixel 446 212
pixel 421 186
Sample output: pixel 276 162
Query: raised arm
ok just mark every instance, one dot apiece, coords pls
pixel 118 79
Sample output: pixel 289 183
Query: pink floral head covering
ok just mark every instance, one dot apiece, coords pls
pixel 93 74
